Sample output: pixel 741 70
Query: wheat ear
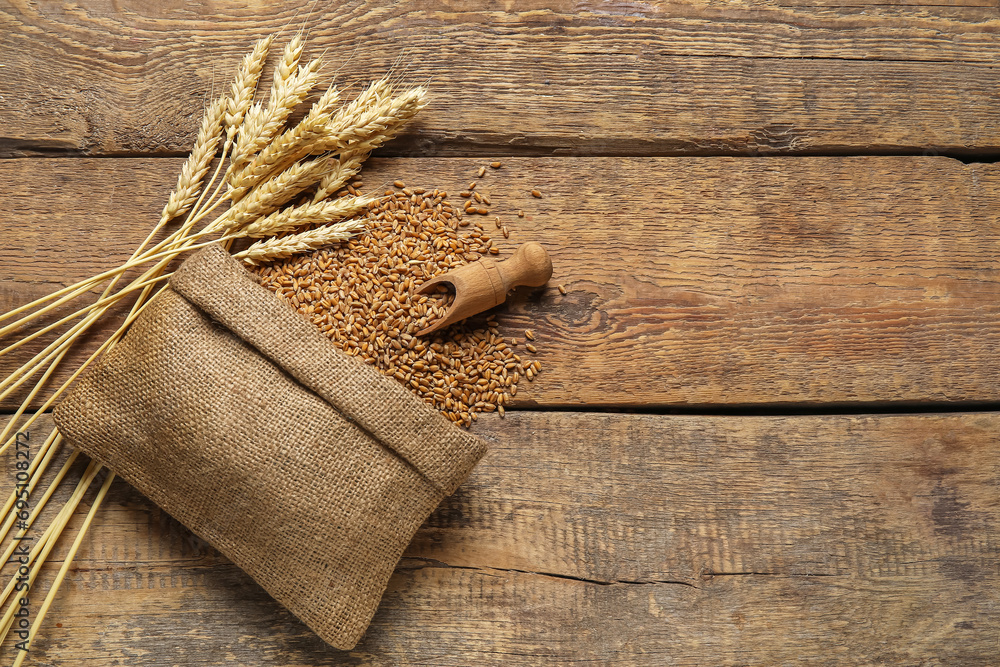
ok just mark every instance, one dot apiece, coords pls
pixel 267 122
pixel 370 127
pixel 341 171
pixel 292 144
pixel 288 90
pixel 254 121
pixel 245 86
pixel 375 124
pixel 349 162
pixel 376 92
pixel 284 69
pixel 293 244
pixel 193 172
pixel 268 196
pixel 319 213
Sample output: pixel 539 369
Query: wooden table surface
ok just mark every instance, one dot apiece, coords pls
pixel 767 428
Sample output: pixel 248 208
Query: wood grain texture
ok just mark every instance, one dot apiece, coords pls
pixel 691 281
pixel 592 77
pixel 613 539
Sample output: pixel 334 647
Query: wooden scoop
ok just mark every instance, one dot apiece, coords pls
pixel 483 284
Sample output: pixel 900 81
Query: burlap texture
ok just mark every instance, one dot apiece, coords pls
pixel 305 467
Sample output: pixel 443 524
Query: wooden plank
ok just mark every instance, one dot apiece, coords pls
pixel 565 77
pixel 613 539
pixel 691 281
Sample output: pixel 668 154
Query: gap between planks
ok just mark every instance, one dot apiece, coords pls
pixel 489 152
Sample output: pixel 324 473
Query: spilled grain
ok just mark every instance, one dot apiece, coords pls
pixel 360 295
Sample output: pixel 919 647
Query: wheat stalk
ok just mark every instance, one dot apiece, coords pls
pixel 67 561
pixel 45 543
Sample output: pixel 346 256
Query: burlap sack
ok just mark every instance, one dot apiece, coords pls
pixel 305 467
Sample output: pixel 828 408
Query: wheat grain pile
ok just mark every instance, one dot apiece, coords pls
pixel 360 294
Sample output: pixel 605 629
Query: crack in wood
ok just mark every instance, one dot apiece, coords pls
pixel 433 563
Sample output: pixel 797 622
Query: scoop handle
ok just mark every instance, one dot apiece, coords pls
pixel 529 265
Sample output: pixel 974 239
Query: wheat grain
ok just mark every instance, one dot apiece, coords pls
pixel 362 296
